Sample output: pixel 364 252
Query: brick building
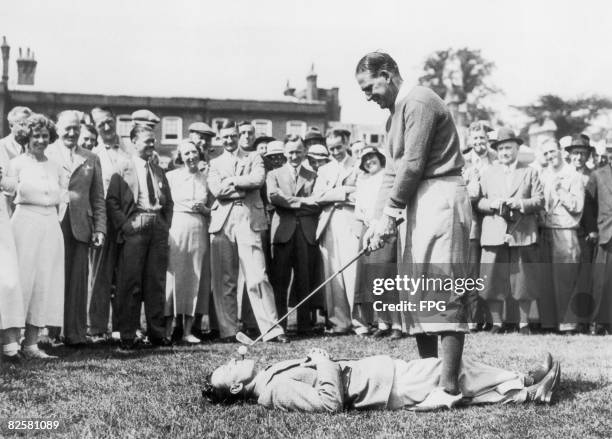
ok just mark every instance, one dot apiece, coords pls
pixel 290 114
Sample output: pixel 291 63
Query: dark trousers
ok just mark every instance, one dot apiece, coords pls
pixel 297 255
pixel 103 263
pixel 141 275
pixel 76 268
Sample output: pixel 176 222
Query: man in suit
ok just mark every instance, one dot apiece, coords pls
pixel 511 196
pixel 237 222
pixel 14 143
pixel 334 190
pixel 114 158
pixel 423 178
pixel 140 206
pixel 478 157
pixel 598 223
pixel 83 219
pixel 294 224
pixel 563 204
pixel 319 384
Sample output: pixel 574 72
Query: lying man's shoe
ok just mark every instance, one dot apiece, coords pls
pixel 540 371
pixel 543 391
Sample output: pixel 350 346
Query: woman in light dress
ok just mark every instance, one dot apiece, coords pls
pixel 188 276
pixel 38 237
pixel 380 264
pixel 11 298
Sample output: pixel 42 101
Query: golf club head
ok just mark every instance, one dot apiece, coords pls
pixel 241 337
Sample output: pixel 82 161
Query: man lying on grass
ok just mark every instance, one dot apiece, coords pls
pixel 319 384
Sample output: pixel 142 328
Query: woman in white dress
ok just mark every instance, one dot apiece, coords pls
pixel 38 237
pixel 188 276
pixel 11 300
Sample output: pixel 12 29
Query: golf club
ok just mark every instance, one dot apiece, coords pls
pixel 245 339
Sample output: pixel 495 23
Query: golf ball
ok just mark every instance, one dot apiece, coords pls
pixel 242 350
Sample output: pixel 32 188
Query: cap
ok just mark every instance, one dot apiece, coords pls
pixel 202 128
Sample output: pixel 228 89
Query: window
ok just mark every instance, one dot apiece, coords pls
pixel 373 139
pixel 217 123
pixel 124 125
pixel 172 130
pixel 296 127
pixel 263 127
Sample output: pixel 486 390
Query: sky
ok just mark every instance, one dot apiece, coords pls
pixel 250 48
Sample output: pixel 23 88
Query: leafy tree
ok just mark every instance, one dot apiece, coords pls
pixel 571 115
pixel 460 77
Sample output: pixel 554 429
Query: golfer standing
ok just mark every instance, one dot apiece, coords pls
pixel 423 175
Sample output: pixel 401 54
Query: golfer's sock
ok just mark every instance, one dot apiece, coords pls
pixel 523 324
pixel 10 349
pixel 396 326
pixel 383 326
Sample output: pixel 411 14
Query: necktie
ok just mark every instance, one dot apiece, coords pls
pixel 150 187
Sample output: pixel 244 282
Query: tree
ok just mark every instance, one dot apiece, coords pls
pixel 572 115
pixel 460 77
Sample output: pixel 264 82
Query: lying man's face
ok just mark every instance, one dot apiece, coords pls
pixel 233 375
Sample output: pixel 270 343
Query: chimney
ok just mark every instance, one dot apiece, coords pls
pixel 289 91
pixel 5 60
pixel 26 68
pixel 312 93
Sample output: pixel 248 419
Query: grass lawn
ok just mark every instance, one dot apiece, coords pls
pixel 100 392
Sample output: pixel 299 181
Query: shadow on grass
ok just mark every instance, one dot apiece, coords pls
pixel 570 389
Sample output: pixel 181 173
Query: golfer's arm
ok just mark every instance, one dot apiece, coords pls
pixel 326 396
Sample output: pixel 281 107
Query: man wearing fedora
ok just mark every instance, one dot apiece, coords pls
pixel 560 219
pixel 423 178
pixel 313 137
pixel 334 190
pixel 511 195
pixel 580 151
pixel 598 224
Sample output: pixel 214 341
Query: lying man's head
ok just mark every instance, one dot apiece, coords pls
pixel 226 384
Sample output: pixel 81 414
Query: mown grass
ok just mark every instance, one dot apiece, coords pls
pixel 101 392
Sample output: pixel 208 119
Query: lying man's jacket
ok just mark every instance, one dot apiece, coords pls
pixel 331 387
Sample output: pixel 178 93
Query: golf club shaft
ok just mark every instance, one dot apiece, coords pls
pixel 362 252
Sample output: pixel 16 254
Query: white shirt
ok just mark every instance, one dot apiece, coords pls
pixel 143 192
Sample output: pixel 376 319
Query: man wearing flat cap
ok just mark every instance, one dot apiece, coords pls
pixel 560 219
pixel 201 134
pixel 511 196
pixel 423 175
